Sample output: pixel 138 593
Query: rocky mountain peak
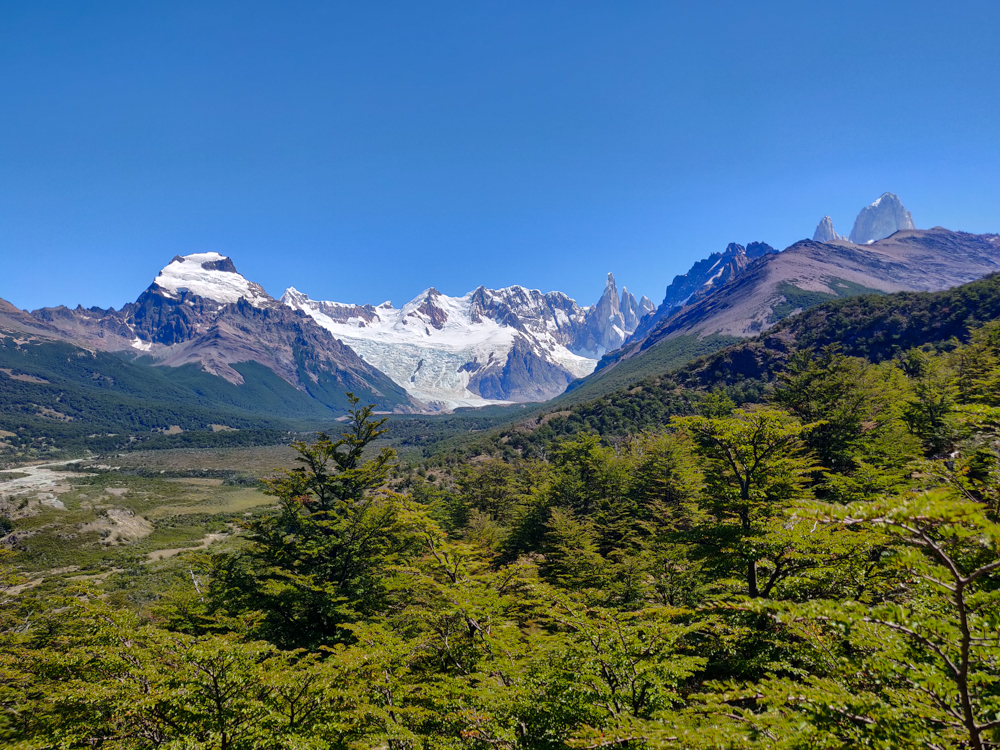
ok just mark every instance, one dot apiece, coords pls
pixel 607 324
pixel 209 276
pixel 713 272
pixel 429 310
pixel 704 277
pixel 884 217
pixel 629 307
pixel 824 231
pixel 507 344
pixel 756 250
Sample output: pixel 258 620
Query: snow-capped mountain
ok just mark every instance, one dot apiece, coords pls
pixel 488 346
pixel 436 352
pixel 210 276
pixel 199 310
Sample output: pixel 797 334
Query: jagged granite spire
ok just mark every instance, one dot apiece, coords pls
pixel 884 217
pixel 824 231
pixel 607 321
pixel 631 312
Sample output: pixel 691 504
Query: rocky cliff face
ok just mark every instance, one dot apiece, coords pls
pixel 199 310
pixel 824 231
pixel 704 276
pixel 881 219
pixel 633 311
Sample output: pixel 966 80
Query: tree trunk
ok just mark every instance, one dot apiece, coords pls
pixel 751 564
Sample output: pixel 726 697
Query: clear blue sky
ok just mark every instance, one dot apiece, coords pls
pixel 363 151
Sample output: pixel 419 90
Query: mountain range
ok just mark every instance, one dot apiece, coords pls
pixel 435 352
pixel 201 318
pixel 804 275
pixel 488 346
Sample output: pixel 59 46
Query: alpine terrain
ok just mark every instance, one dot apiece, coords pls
pixel 775 285
pixel 436 352
pixel 200 311
pixel 488 346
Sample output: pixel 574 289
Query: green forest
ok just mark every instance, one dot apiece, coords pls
pixel 812 564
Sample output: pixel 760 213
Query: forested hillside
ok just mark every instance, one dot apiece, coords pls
pixel 817 568
pixel 56 398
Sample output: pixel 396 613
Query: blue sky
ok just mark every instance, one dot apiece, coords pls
pixel 365 151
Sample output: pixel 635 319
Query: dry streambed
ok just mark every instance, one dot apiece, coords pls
pixel 75 525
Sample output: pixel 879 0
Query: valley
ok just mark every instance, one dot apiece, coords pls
pixel 124 523
pixel 526 504
pixel 499 376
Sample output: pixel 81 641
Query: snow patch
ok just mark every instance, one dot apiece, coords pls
pixel 188 274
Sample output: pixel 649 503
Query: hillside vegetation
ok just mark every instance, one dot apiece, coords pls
pixel 816 567
pixel 58 398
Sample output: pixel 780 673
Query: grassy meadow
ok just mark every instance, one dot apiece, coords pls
pixel 125 522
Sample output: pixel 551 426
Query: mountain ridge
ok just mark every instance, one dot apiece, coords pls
pixel 808 273
pixel 200 310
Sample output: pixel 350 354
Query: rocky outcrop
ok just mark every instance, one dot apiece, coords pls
pixel 606 324
pixel 525 375
pixel 824 231
pixel 714 271
pixel 633 311
pixel 756 250
pixel 881 219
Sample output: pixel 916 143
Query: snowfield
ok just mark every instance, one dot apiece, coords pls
pixel 431 345
pixel 225 287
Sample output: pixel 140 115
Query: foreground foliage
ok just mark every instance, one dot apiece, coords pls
pixel 818 571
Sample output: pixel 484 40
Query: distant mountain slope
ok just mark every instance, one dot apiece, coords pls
pixel 809 273
pixel 489 346
pixel 704 277
pixel 53 393
pixel 200 311
pixel 875 327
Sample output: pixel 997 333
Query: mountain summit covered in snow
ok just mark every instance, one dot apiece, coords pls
pixel 488 346
pixel 200 311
